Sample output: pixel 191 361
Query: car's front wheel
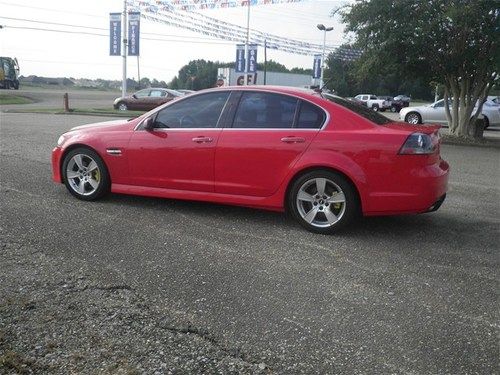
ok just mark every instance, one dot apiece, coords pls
pixel 85 174
pixel 323 201
pixel 413 118
pixel 375 107
pixel 122 106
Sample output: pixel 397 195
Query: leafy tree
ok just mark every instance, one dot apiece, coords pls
pixel 451 42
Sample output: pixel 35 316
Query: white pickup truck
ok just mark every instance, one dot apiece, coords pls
pixel 371 101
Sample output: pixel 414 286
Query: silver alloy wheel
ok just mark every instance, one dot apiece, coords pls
pixel 122 107
pixel 321 202
pixel 83 174
pixel 413 118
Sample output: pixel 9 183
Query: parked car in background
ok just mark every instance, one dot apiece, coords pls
pixel 147 99
pixel 373 102
pixel 324 159
pixel 403 98
pixel 185 92
pixel 436 113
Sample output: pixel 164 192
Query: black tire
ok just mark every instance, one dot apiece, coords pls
pixel 394 109
pixel 375 107
pixel 486 122
pixel 86 184
pixel 316 215
pixel 413 115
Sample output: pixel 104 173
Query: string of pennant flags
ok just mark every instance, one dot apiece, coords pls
pixel 181 14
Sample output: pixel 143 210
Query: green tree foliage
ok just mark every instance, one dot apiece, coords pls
pixel 196 75
pixel 344 79
pixel 450 42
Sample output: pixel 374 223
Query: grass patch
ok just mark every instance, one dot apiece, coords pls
pixel 80 111
pixel 13 99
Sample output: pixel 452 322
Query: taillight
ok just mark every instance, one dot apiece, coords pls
pixel 420 144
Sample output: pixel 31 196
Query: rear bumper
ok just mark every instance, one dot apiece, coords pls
pixel 421 190
pixel 56 164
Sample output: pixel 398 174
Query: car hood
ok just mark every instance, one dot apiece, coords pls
pixel 105 125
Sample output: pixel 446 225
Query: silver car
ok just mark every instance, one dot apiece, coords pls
pixel 436 113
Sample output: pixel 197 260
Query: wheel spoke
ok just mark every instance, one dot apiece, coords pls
pixel 311 215
pixel 72 174
pixel 80 188
pixel 337 197
pixel 330 216
pixel 320 185
pixel 303 196
pixel 92 165
pixel 78 160
pixel 93 183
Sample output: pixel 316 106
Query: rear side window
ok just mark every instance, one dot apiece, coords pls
pixel 265 110
pixel 310 116
pixel 359 109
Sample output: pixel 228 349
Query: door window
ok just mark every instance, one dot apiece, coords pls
pixel 157 93
pixel 142 94
pixel 200 111
pixel 265 110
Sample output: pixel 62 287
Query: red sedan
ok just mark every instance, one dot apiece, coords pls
pixel 324 159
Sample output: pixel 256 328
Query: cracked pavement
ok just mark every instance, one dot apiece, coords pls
pixel 149 285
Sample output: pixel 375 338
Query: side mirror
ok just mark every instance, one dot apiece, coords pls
pixel 148 124
pixel 134 96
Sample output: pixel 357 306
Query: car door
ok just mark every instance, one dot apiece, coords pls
pixel 178 153
pixel 156 98
pixel 267 135
pixel 139 100
pixel 435 113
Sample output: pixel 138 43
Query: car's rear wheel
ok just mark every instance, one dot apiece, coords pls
pixel 413 118
pixel 85 174
pixel 375 107
pixel 122 106
pixel 486 122
pixel 323 201
pixel 394 109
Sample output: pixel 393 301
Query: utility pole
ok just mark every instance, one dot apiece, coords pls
pixel 265 60
pixel 247 60
pixel 124 50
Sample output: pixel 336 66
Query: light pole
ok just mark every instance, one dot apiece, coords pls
pixel 324 29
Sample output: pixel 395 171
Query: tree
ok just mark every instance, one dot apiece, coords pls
pixel 451 42
pixel 196 75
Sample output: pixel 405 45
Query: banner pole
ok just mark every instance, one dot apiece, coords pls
pixel 124 50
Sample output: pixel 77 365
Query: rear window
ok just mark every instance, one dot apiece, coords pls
pixel 363 111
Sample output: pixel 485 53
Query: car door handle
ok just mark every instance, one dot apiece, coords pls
pixel 202 139
pixel 293 140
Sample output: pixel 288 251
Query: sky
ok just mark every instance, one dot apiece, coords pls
pixel 73 51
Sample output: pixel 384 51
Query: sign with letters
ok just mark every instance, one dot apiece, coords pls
pixel 252 58
pixel 115 34
pixel 134 23
pixel 317 66
pixel 239 66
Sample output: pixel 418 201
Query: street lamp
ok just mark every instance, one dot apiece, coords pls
pixel 325 30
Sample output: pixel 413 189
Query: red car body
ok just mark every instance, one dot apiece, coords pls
pixel 256 167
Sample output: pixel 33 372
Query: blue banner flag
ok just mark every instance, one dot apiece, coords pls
pixel 252 58
pixel 239 66
pixel 115 34
pixel 134 23
pixel 317 66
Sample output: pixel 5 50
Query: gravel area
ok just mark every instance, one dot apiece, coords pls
pixel 56 319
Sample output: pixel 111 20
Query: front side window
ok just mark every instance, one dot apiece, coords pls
pixel 142 94
pixel 157 93
pixel 265 110
pixel 200 111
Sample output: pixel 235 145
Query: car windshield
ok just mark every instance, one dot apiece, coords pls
pixel 366 112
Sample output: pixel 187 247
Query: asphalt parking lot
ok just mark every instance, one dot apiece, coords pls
pixel 249 290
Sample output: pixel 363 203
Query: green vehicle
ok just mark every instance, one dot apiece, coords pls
pixel 9 73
